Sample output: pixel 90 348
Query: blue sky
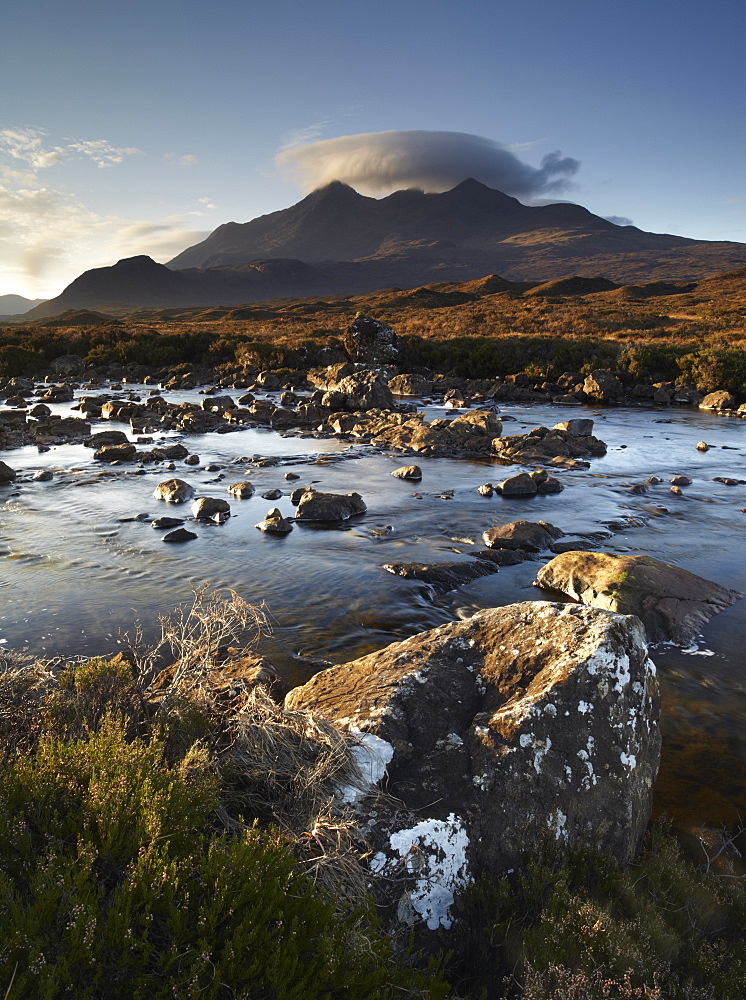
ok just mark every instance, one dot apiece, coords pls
pixel 138 127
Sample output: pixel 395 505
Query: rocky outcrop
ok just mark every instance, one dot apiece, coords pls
pixel 316 506
pixel 522 722
pixel 672 603
pixel 542 445
pixel 366 390
pixel 470 434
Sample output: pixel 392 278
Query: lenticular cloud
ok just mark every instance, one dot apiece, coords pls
pixel 377 163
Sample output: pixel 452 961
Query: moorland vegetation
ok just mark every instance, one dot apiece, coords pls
pixel 185 841
pixel 693 335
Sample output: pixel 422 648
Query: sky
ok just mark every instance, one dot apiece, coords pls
pixel 139 127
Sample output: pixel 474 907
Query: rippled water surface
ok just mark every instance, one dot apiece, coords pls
pixel 73 574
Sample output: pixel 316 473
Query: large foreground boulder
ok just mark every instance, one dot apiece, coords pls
pixel 672 603
pixel 523 722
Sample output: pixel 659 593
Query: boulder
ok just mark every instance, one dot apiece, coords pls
pixel 275 524
pixel 366 390
pixel 242 490
pixel 522 485
pixel 371 342
pixel 411 385
pixel 316 506
pixel 125 452
pixel 179 535
pixel 672 603
pixel 522 722
pixel 602 387
pixel 444 576
pixel 413 472
pixel 173 491
pixel 205 508
pixel 7 475
pixel 68 365
pixel 720 400
pixel 577 427
pixel 528 536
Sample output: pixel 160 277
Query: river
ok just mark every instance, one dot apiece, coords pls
pixel 73 574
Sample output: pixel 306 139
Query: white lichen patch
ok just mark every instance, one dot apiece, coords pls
pixel 434 852
pixel 557 823
pixel 584 707
pixel 372 757
pixel 629 760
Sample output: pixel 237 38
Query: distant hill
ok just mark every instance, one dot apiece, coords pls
pixel 12 306
pixel 336 241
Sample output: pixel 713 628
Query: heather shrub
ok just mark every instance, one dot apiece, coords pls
pixel 582 927
pixel 715 368
pixel 114 884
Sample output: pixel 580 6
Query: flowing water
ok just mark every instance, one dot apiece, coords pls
pixel 73 574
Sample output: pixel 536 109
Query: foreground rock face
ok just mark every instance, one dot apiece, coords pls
pixel 672 603
pixel 524 721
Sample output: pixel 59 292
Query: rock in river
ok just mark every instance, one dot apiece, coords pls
pixel 316 506
pixel 242 490
pixel 413 472
pixel 179 535
pixel 444 576
pixel 672 603
pixel 206 507
pixel 275 524
pixel 7 475
pixel 525 721
pixel 173 491
pixel 530 536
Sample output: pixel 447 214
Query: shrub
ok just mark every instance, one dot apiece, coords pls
pixel 715 368
pixel 113 885
pixel 585 928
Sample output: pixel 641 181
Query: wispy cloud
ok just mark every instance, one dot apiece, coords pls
pixel 180 159
pixel 48 236
pixel 381 162
pixel 28 145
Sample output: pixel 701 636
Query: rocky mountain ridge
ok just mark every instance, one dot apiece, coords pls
pixel 336 241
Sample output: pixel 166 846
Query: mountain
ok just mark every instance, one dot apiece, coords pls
pixel 413 238
pixel 12 306
pixel 336 241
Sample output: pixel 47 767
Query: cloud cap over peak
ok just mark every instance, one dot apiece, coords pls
pixel 378 163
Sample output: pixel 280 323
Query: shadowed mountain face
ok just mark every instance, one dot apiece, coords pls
pixel 464 233
pixel 336 241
